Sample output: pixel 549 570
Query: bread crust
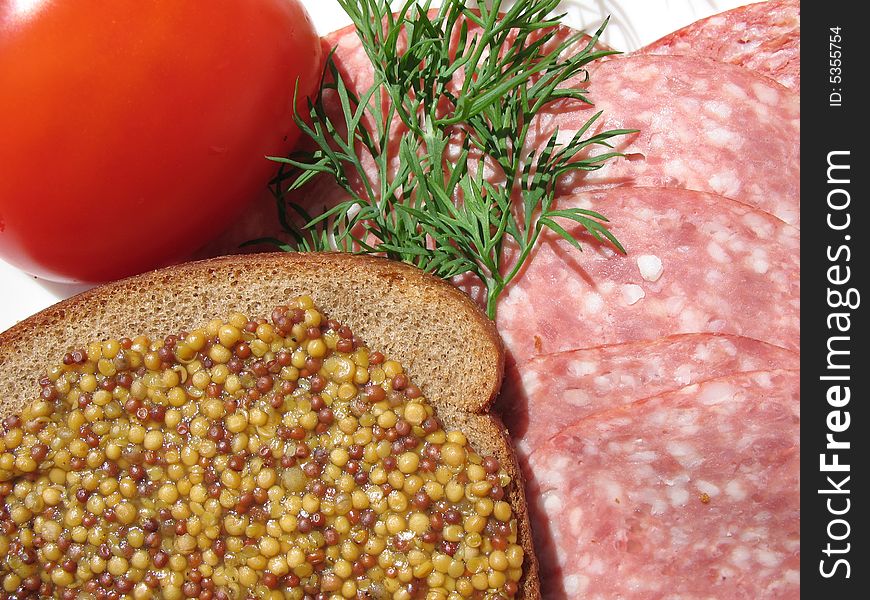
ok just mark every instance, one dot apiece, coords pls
pixel 446 344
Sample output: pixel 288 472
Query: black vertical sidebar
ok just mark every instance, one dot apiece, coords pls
pixel 835 369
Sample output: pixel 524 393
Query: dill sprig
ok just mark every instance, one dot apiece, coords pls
pixel 448 83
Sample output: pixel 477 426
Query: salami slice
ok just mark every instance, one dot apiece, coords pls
pixel 703 125
pixel 764 37
pixel 692 494
pixel 549 393
pixel 261 220
pixel 696 263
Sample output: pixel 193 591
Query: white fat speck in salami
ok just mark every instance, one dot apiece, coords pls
pixel 764 37
pixel 680 498
pixel 545 395
pixel 727 268
pixel 749 152
pixel 650 267
pixel 632 293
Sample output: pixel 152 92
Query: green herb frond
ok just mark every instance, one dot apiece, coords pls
pixel 466 85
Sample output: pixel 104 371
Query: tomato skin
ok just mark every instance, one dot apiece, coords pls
pixel 132 132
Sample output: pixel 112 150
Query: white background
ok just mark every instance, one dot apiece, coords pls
pixel 634 23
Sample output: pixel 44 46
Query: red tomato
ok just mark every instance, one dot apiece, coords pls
pixel 131 132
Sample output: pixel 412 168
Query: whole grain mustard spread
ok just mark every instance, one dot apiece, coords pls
pixel 274 458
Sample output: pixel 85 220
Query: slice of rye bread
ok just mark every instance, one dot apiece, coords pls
pixel 446 344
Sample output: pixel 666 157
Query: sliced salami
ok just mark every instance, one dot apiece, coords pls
pixel 688 495
pixel 696 263
pixel 764 37
pixel 261 220
pixel 545 395
pixel 703 125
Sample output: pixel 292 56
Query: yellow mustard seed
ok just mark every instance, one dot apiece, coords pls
pixel 236 422
pixel 228 335
pixel 409 462
pixel 387 419
pixel 153 440
pixel 219 353
pixel 453 454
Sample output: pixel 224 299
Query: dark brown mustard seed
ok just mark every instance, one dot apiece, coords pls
pixel 125 380
pixel 166 355
pixel 355 451
pixel 304 525
pixel 11 422
pixel 32 583
pixel 403 428
pixel 284 358
pixel 302 450
pixel 161 559
pixel 490 464
pixel 264 384
pixel 38 452
pixel 259 368
pixel 318 488
pixel 318 383
pixel 421 500
pixel 153 540
pixel 375 393
pixel 270 580
pixel 157 413
pixel 326 416
pixel 190 589
pixel 312 469
pixel 400 381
